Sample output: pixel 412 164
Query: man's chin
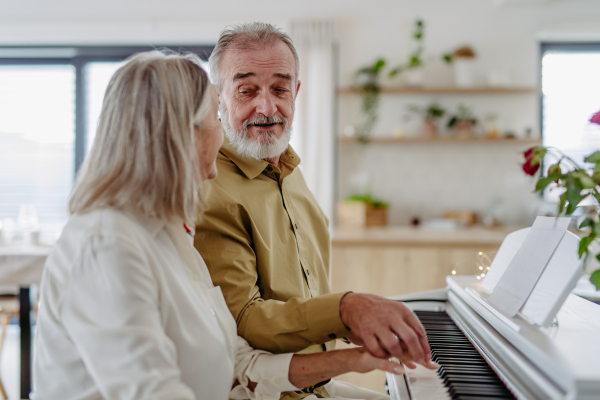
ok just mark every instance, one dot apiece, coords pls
pixel 264 136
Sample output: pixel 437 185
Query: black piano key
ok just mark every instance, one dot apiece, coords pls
pixel 462 368
pixel 481 397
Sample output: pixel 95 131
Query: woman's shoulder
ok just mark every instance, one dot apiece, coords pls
pixel 83 232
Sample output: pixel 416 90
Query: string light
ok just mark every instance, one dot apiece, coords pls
pixel 453 272
pixel 481 267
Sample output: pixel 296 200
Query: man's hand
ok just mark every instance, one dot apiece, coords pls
pixel 387 328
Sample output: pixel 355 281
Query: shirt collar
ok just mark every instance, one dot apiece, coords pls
pixel 152 225
pixel 252 167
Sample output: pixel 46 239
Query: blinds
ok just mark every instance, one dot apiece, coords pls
pixel 37 135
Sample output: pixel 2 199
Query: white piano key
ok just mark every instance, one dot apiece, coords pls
pixel 417 384
pixel 426 384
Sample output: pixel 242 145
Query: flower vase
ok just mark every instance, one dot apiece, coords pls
pixel 463 71
pixel 464 130
pixel 414 76
pixel 429 129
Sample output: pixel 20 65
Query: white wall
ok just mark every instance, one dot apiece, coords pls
pixel 505 37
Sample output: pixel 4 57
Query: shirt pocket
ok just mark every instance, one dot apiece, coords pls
pixel 225 319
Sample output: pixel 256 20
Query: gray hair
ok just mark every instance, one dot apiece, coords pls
pixel 245 36
pixel 144 156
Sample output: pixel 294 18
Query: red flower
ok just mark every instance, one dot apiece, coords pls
pixel 596 118
pixel 528 153
pixel 530 168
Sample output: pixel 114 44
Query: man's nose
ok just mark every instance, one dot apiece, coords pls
pixel 265 104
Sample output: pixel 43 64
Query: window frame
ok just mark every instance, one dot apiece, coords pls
pixel 79 56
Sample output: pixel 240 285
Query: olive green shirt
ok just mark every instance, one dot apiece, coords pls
pixel 266 243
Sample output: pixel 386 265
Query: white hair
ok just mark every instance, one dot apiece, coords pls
pixel 144 156
pixel 266 145
pixel 245 36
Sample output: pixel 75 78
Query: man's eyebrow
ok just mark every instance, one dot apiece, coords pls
pixel 240 75
pixel 287 77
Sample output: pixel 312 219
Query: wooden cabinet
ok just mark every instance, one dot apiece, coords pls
pixel 399 260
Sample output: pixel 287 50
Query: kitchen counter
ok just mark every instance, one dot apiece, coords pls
pixel 399 236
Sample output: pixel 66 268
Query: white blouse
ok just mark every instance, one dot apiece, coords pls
pixel 128 311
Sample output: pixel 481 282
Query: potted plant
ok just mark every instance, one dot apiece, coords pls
pixel 578 184
pixel 367 85
pixel 430 115
pixel 462 123
pixel 362 210
pixel 413 68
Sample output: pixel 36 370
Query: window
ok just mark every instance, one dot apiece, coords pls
pixel 571 95
pixel 50 101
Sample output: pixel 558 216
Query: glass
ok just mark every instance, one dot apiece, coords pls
pixel 37 136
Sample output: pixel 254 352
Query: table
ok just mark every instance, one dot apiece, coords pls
pixel 21 266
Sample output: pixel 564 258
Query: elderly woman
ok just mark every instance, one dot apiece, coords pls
pixel 128 309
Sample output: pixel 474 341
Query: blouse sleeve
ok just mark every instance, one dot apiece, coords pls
pixel 269 371
pixel 110 311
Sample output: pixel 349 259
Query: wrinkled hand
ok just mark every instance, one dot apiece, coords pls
pixel 362 361
pixel 387 328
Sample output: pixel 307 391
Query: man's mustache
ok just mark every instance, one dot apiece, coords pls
pixel 264 120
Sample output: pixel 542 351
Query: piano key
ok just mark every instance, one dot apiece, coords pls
pixel 463 371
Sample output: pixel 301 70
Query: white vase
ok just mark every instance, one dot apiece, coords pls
pixel 414 76
pixel 463 71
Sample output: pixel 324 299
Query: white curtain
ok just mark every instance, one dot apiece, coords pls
pixel 314 138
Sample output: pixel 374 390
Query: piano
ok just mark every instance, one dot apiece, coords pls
pixel 485 355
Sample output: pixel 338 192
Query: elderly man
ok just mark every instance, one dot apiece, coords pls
pixel 263 236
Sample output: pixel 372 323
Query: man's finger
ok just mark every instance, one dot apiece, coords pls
pixel 372 344
pixel 390 342
pixel 413 321
pixel 411 340
pixel 426 348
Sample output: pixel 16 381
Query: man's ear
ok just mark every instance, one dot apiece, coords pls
pixel 297 90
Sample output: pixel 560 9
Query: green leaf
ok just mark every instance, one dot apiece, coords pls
pixel 378 65
pixel 395 72
pixel 563 200
pixel 583 179
pixel 593 158
pixel 595 278
pixel 542 183
pixel 573 194
pixel 586 223
pixel 584 243
pixel 447 58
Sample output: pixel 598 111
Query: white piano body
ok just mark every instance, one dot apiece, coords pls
pixel 561 361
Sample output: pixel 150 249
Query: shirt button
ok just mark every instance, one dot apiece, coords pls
pixel 332 336
pixel 213 312
pixel 307 272
pixel 296 225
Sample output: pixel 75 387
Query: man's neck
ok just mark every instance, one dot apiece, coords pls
pixel 273 160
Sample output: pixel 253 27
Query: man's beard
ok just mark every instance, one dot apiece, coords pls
pixel 265 145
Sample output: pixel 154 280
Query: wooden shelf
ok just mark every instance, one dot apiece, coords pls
pixel 448 90
pixel 442 139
